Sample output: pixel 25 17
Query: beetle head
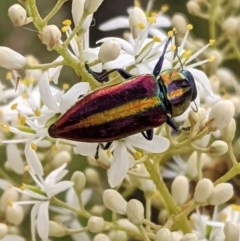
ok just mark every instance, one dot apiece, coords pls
pixel 180 90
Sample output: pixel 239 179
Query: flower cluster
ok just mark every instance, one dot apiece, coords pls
pixel 69 172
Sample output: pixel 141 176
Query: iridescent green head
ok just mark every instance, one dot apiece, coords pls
pixel 180 90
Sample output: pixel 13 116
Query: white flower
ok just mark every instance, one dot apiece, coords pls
pixel 45 190
pixel 11 59
pixel 121 148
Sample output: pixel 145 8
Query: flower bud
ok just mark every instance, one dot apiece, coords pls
pixel 189 237
pixel 125 224
pixel 51 36
pixel 101 237
pixel 77 10
pixel 180 189
pixel 137 21
pixel 109 51
pixel 17 15
pixel 180 23
pixel 92 6
pixel 8 196
pixel 3 230
pixel 231 231
pixel 79 180
pixel 114 201
pixel 221 193
pixel 96 224
pixel 14 213
pixel 116 235
pixel 193 8
pixel 228 133
pixel 230 26
pixel 164 234
pixel 220 115
pixel 203 190
pixel 192 166
pixel 92 176
pixel 60 158
pixel 57 230
pixel 217 148
pixel 135 211
pixel 10 59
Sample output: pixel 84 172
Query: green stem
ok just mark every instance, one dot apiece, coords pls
pixel 235 170
pixel 37 19
pixel 54 10
pixel 212 16
pixel 180 222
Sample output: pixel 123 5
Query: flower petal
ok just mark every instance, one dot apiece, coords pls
pixel 43 220
pixel 158 144
pixel 119 165
pixel 33 160
pixel 86 149
pixel 114 23
pixel 46 94
pixel 71 96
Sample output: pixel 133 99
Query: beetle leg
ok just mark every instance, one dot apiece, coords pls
pixel 101 77
pixel 148 134
pixel 104 147
pixel 172 124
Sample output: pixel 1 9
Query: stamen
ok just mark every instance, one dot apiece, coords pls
pixel 140 26
pixel 151 20
pixel 37 112
pixel 14 106
pixel 65 86
pixel 164 8
pixel 21 119
pixel 64 29
pixel 9 75
pixel 67 22
pixel 33 146
pixel 235 207
pixel 156 39
pixel 137 155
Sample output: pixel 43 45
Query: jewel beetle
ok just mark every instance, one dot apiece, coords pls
pixel 138 104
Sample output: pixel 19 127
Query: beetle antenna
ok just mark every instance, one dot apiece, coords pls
pixel 158 67
pixel 196 107
pixel 178 57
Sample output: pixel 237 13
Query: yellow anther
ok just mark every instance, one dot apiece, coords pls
pixel 9 203
pixel 140 26
pixel 187 54
pixel 109 153
pixel 25 95
pixel 154 14
pixel 211 58
pixel 67 22
pixel 6 128
pixel 137 155
pixel 235 207
pixel 151 20
pixel 33 146
pixel 28 81
pixel 156 39
pixel 14 106
pixel 21 119
pixel 9 75
pixel 26 168
pixel 211 42
pixel 37 112
pixel 64 29
pixel 23 186
pixel 164 8
pixel 54 148
pixel 170 33
pixel 189 26
pixel 65 86
pixel 173 47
